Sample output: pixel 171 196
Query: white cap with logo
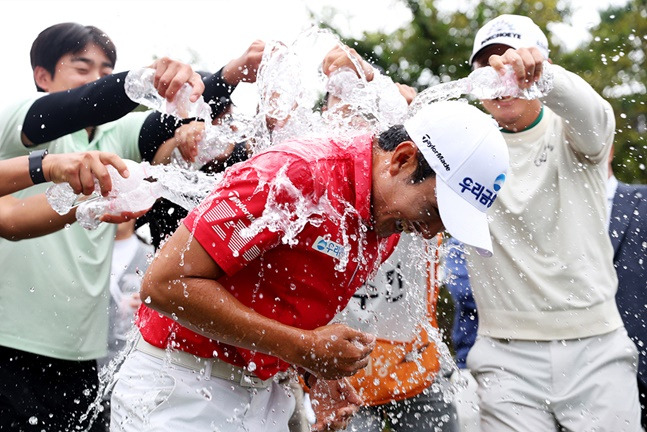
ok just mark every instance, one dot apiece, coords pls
pixel 515 31
pixel 465 148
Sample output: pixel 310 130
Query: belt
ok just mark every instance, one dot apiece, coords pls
pixel 210 366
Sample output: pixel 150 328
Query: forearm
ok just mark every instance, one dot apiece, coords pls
pixel 590 119
pixel 61 113
pixel 163 154
pixel 218 90
pixel 191 295
pixel 212 311
pixel 30 217
pixel 15 175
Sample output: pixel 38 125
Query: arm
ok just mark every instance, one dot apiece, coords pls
pixel 30 217
pixel 77 169
pixel 58 114
pixel 590 122
pixel 33 217
pixel 182 282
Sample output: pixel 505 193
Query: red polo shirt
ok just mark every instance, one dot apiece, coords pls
pixel 291 230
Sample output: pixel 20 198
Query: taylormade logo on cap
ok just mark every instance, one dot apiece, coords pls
pixel 515 31
pixel 438 154
pixel 465 149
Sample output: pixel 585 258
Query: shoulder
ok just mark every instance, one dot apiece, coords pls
pixel 12 117
pixel 632 189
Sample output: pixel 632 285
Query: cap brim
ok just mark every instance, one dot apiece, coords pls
pixel 493 42
pixel 462 220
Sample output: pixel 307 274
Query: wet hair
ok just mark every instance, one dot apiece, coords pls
pixel 67 38
pixel 391 138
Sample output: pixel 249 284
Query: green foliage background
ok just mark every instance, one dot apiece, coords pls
pixel 435 46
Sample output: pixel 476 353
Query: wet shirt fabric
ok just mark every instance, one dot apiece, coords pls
pixel 291 230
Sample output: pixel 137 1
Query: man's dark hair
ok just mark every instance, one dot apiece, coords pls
pixel 391 138
pixel 67 38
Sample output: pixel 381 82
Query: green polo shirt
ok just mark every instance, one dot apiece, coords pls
pixel 54 289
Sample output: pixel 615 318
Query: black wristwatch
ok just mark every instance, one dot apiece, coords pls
pixel 36 166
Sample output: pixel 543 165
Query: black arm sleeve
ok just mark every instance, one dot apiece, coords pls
pixel 217 93
pixel 61 113
pixel 156 129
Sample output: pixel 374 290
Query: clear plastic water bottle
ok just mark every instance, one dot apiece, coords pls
pixel 131 194
pixel 139 88
pixel 487 83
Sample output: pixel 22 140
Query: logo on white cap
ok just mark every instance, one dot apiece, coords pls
pixel 515 31
pixel 466 150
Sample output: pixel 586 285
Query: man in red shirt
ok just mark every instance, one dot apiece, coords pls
pixel 248 284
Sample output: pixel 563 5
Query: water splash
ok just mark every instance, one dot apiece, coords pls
pixel 138 192
pixel 485 83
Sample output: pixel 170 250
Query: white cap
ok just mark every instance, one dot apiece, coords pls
pixel 465 148
pixel 515 31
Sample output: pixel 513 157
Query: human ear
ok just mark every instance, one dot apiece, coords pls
pixel 43 78
pixel 403 158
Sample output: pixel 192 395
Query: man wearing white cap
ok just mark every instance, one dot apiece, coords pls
pixel 248 284
pixel 552 352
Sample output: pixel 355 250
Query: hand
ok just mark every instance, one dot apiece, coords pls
pixel 334 403
pixel 122 217
pixel 187 138
pixel 407 92
pixel 338 58
pixel 134 301
pixel 527 64
pixel 171 75
pixel 334 351
pixel 245 67
pixel 81 169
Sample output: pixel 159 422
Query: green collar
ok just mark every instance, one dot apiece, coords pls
pixel 532 125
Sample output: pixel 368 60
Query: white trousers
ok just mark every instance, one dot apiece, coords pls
pixel 153 395
pixel 580 385
pixel 466 401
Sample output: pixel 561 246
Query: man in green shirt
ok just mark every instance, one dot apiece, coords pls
pixel 53 289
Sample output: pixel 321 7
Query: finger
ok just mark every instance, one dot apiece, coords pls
pixel 122 217
pixel 365 339
pixel 528 63
pixel 361 364
pixel 103 176
pixel 197 86
pixel 539 64
pixel 75 182
pixel 496 61
pixel 160 69
pixel 87 179
pixel 167 82
pixel 115 161
pixel 177 76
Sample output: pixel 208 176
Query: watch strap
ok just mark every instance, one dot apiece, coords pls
pixel 36 166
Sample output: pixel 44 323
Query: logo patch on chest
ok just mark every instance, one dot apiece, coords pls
pixel 329 248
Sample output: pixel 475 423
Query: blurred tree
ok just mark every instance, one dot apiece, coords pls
pixel 435 45
pixel 614 64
